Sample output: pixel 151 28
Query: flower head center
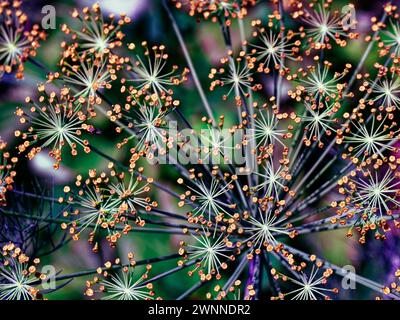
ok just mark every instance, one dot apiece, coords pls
pixel 101 44
pixel 12 48
pixel 324 28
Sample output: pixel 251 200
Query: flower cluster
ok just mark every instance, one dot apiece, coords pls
pixel 107 202
pixel 56 122
pixel 18 275
pixel 18 40
pixel 319 139
pixel 215 10
pixel 121 282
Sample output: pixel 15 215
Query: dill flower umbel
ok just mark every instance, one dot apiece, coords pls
pixel 107 202
pixel 95 35
pixel 150 70
pixel 17 42
pixel 18 275
pixel 318 139
pixel 310 285
pixel 227 9
pixel 121 282
pixel 56 121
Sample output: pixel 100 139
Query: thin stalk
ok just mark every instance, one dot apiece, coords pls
pixel 189 292
pixel 114 267
pixel 235 275
pixel 189 62
pixel 59 221
pixel 364 56
pixel 169 272
pixel 268 266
